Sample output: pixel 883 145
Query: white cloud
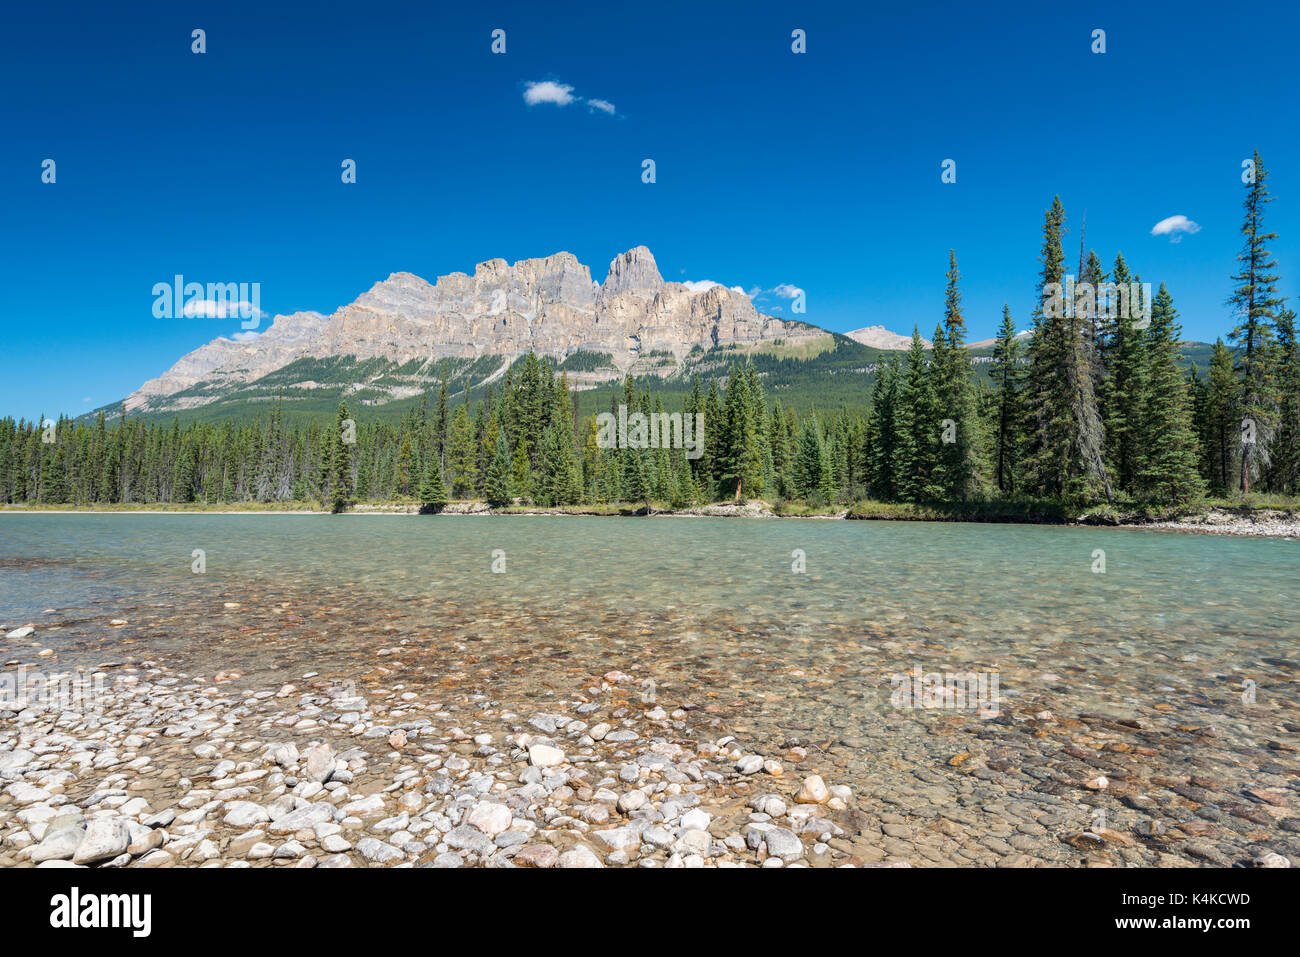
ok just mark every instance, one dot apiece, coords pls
pixel 561 94
pixel 85 398
pixel 697 286
pixel 1174 227
pixel 244 336
pixel 787 291
pixel 548 91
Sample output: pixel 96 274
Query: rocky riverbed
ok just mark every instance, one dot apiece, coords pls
pixel 160 769
pixel 383 682
pixel 168 771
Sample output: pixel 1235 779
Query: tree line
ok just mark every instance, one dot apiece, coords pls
pixel 1091 406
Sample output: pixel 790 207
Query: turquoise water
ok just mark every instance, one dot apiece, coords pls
pixel 988 597
pixel 1174 673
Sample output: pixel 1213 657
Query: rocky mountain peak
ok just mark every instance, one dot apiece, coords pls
pixel 297 326
pixel 548 305
pixel 878 337
pixel 399 293
pixel 635 272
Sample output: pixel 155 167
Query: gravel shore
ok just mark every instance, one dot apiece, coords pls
pixel 174 771
pixel 169 770
pixel 1272 523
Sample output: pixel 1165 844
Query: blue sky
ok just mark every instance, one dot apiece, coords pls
pixel 820 170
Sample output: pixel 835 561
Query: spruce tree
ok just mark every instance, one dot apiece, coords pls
pixel 440 423
pixel 1167 446
pixel 405 466
pixel 1256 304
pixel 957 460
pixel 710 467
pixel 433 486
pixel 1285 470
pixel 336 483
pixel 883 432
pixel 741 454
pixel 1125 383
pixel 1065 433
pixel 521 475
pixel 917 429
pixel 462 454
pixel 557 482
pixel 634 483
pixel 1220 429
pixel 782 452
pixel 810 461
pixel 1006 374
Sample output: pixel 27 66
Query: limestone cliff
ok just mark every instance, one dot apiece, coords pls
pixel 549 305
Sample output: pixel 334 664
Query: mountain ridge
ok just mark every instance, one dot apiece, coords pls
pixel 547 305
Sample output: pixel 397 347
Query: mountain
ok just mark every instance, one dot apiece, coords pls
pixel 225 361
pixel 405 333
pixel 989 343
pixel 404 336
pixel 878 337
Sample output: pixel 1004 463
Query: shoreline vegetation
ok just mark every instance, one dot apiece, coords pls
pixel 1273 516
pixel 1085 418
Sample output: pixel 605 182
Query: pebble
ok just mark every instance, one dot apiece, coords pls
pixel 545 756
pixel 813 791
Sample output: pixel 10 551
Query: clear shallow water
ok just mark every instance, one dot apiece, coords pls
pixel 674 594
pixel 1141 669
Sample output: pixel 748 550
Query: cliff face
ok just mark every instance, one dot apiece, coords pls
pixel 225 360
pixel 549 305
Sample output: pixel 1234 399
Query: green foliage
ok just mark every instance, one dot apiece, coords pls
pixel 433 487
pixel 1008 406
pixel 336 484
pixel 498 475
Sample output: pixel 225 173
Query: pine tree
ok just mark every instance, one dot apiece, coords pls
pixel 1007 404
pixel 710 467
pixel 810 461
pixel 497 484
pixel 1285 472
pixel 336 483
pixel 883 432
pixel 957 461
pixel 782 444
pixel 462 454
pixel 634 482
pixel 740 457
pixel 440 423
pixel 1220 424
pixel 433 486
pixel 1125 381
pixel 1256 304
pixel 521 475
pixel 556 480
pixel 1065 434
pixel 1167 447
pixel 405 465
pixel 917 429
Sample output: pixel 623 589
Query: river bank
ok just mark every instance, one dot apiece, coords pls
pixel 1283 522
